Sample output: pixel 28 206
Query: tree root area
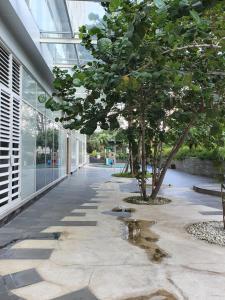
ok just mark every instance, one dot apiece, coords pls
pixel 139 200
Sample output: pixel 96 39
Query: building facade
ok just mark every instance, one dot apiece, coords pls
pixel 35 151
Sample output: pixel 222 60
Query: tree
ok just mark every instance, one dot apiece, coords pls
pixel 143 72
pixel 99 140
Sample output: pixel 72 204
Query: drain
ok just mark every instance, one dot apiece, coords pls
pixel 123 209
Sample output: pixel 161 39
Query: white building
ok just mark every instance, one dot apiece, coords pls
pixel 35 151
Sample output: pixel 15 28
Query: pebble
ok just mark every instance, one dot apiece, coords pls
pixel 212 232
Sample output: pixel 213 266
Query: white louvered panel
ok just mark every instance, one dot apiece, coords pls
pixel 5 111
pixel 4 66
pixel 16 77
pixel 5 135
pixel 16 122
pixel 15 184
pixel 10 93
pixel 2 182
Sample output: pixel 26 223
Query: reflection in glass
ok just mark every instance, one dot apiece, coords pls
pixel 29 88
pixel 80 152
pixel 40 152
pixel 83 54
pixel 49 151
pixel 63 53
pixel 62 151
pixel 50 15
pixel 40 93
pixel 73 153
pixel 56 158
pixel 84 13
pixel 28 136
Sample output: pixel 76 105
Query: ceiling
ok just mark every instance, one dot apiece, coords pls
pixel 59 22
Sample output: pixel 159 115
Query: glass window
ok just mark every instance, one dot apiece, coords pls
pixel 28 137
pixel 56 160
pixel 49 150
pixel 63 54
pixel 80 152
pixel 62 151
pixel 74 163
pixel 29 89
pixel 50 15
pixel 40 92
pixel 41 168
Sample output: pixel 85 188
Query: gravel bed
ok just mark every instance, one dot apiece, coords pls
pixel 212 232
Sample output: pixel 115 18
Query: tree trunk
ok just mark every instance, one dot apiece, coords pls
pixel 125 170
pixel 131 160
pixel 154 167
pixel 143 160
pixel 173 152
pixel 135 154
pixel 223 202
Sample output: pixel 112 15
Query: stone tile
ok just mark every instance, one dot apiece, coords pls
pixel 78 214
pixel 12 266
pixel 36 244
pixel 77 223
pixel 9 296
pixel 84 294
pixel 211 213
pixel 21 279
pixel 3 288
pixel 41 291
pixel 86 207
pixel 89 204
pixel 26 254
pixel 45 236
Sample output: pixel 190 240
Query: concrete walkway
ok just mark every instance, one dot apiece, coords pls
pixel 71 246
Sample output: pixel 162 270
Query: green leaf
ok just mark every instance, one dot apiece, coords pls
pixel 94 30
pixel 114 5
pixel 42 98
pixel 159 4
pixel 104 45
pixel 57 83
pixel 195 17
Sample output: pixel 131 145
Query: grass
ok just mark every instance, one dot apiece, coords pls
pixel 128 175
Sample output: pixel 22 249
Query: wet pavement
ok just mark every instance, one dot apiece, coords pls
pixel 70 244
pixel 182 188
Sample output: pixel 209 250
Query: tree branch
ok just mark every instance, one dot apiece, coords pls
pixel 193 46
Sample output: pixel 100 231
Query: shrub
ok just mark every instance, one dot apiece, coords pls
pixel 128 175
pixel 217 154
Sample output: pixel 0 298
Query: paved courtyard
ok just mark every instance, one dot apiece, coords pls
pixel 70 245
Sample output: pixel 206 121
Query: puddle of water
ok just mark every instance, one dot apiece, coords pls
pixel 159 295
pixel 138 233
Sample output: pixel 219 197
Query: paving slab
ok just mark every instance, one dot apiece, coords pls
pixel 77 247
pixel 21 279
pixel 84 294
pixel 29 254
pixel 7 296
pixel 87 207
pixel 77 223
pixel 78 214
